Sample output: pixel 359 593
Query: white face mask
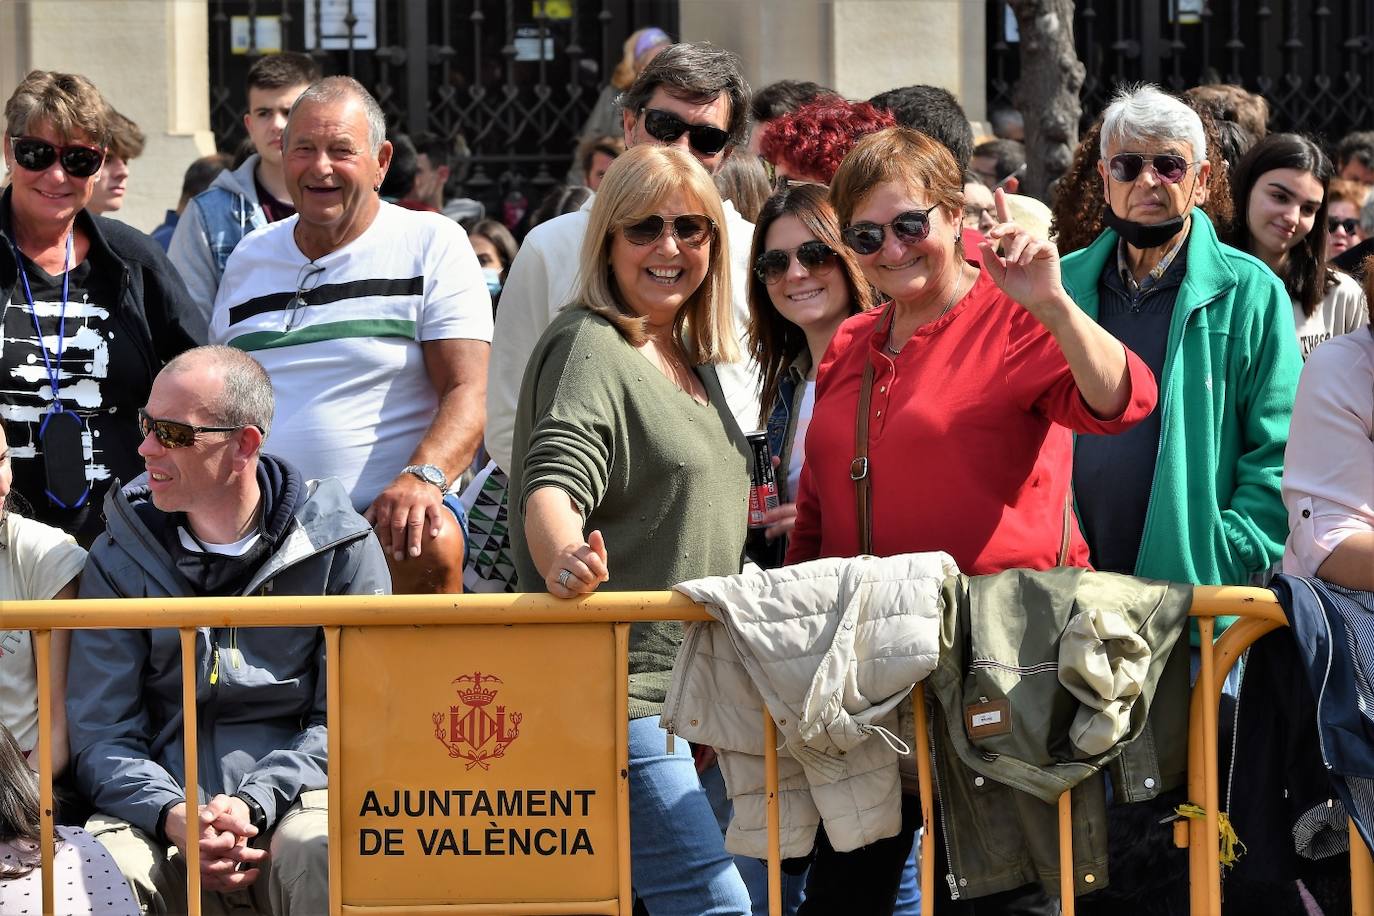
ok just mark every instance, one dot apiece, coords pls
pixel 493 276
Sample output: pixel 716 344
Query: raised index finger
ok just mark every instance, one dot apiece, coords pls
pixel 999 197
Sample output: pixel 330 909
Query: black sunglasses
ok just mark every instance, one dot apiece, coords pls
pixel 35 155
pixel 1126 167
pixel 174 433
pixel 691 229
pixel 815 257
pixel 1349 224
pixel 911 227
pixel 706 139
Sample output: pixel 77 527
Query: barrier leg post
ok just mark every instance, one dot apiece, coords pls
pixel 42 644
pixel 1361 876
pixel 770 775
pixel 1207 678
pixel 1066 888
pixel 927 794
pixel 333 670
pixel 189 763
pixel 622 756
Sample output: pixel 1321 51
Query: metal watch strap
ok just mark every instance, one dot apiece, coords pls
pixel 418 470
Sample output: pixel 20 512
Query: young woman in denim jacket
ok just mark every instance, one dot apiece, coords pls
pixel 804 283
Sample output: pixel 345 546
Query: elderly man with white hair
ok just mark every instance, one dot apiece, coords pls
pixel 1192 493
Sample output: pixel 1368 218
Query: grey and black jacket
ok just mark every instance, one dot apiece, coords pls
pixel 260 693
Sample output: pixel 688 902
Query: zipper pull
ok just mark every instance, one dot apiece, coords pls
pixel 953 887
pixel 214 667
pixel 235 656
pixel 671 736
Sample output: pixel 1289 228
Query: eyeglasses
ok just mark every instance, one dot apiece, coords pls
pixel 691 229
pixel 306 280
pixel 911 227
pixel 1126 167
pixel 35 155
pixel 973 215
pixel 706 139
pixel 1350 225
pixel 815 257
pixel 174 433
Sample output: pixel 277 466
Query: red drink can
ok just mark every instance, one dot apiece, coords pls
pixel 763 485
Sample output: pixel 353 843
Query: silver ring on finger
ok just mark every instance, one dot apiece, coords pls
pixel 563 576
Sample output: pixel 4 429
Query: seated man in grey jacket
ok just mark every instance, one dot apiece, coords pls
pixel 215 517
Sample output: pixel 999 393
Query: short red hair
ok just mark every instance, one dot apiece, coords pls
pixel 812 141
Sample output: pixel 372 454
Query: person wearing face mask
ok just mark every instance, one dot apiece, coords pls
pixel 495 248
pixel 1280 187
pixel 1192 494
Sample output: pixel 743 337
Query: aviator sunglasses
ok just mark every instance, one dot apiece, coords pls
pixel 663 126
pixel 1126 167
pixel 35 155
pixel 1349 224
pixel 815 257
pixel 174 433
pixel 691 229
pixel 911 227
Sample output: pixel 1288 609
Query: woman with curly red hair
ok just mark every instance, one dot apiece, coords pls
pixel 810 143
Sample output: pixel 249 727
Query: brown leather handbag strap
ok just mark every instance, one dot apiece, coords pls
pixel 858 468
pixel 1064 540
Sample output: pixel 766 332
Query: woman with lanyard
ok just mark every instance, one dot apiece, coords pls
pixel 90 309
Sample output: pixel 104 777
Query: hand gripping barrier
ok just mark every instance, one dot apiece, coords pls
pixel 343 618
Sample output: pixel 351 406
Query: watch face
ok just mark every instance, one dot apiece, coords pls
pixel 433 476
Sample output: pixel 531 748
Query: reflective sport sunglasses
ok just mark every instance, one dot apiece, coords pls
pixel 691 229
pixel 1350 224
pixel 35 155
pixel 174 433
pixel 911 227
pixel 815 257
pixel 1126 167
pixel 666 127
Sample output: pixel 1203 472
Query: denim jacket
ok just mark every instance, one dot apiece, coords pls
pixel 782 422
pixel 214 223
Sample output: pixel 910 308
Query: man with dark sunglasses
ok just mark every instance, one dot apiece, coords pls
pixel 214 517
pixel 692 96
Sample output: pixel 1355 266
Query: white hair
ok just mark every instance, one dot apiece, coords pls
pixel 1143 113
pixel 338 88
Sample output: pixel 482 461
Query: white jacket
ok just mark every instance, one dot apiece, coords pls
pixel 832 647
pixel 542 280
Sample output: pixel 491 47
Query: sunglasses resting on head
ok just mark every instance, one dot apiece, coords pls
pixel 176 434
pixel 36 155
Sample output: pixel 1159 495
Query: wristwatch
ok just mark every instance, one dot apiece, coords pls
pixel 256 815
pixel 429 474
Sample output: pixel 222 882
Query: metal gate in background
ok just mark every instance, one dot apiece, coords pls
pixel 510 81
pixel 1313 60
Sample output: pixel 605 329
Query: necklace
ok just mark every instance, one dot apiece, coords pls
pixel 954 297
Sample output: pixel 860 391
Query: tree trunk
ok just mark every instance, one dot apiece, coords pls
pixel 1047 94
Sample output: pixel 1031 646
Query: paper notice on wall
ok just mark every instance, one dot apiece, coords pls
pixel 333 29
pixel 265 30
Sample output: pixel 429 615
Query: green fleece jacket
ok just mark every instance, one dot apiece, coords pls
pixel 665 479
pixel 1231 369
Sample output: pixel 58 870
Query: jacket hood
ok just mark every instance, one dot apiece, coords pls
pixel 240 180
pixel 304 518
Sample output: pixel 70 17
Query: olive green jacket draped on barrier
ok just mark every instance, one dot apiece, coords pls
pixel 1003 636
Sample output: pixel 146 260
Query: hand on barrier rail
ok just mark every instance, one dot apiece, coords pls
pixel 400 512
pixel 577 569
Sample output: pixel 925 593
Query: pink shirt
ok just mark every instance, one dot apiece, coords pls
pixel 1328 467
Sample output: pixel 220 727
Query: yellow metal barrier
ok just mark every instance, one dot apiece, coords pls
pixel 1258 609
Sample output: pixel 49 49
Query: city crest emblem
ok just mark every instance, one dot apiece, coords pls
pixel 473 732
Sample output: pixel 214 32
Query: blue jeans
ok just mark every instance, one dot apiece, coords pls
pixel 753 871
pixel 678 862
pixel 909 891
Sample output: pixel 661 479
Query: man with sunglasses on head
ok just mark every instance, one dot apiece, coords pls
pixel 1192 493
pixel 375 323
pixel 692 96
pixel 248 197
pixel 215 517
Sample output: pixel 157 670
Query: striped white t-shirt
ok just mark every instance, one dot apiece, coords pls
pixel 344 353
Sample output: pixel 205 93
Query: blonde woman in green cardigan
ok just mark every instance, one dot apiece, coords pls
pixel 630 473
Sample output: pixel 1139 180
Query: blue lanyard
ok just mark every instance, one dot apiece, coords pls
pixel 54 374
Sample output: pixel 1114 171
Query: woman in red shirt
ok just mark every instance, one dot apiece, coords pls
pixel 980 377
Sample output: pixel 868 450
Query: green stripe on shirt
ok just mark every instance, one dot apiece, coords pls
pixel 329 330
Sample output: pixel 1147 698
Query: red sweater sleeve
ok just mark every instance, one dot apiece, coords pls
pixel 1040 376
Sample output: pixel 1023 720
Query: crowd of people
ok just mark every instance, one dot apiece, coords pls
pixel 325 375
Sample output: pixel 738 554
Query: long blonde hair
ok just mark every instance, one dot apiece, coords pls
pixel 635 186
pixel 625 72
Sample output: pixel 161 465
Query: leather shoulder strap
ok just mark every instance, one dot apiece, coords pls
pixel 858 468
